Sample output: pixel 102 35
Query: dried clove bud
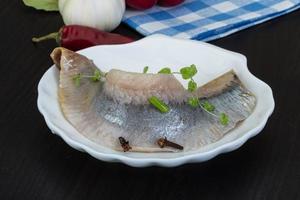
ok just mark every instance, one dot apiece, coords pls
pixel 125 144
pixel 163 142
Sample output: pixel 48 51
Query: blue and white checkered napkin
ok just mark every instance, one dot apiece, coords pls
pixel 207 19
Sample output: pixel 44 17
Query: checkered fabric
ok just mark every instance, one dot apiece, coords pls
pixel 207 19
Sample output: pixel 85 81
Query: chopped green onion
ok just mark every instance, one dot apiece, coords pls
pixel 165 70
pixel 224 119
pixel 159 104
pixel 145 70
pixel 193 101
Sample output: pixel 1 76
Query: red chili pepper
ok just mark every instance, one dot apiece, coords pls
pixel 75 37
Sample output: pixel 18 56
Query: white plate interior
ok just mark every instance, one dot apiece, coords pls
pixel 157 52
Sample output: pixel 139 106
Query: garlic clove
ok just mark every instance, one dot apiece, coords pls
pixel 104 15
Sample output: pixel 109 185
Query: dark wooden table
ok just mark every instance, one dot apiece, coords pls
pixel 35 164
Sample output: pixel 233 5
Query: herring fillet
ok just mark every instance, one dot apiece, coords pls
pixel 117 106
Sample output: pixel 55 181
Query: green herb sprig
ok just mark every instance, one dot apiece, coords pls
pixel 77 79
pixel 187 73
pixel 94 78
pixel 165 70
pixel 145 70
pixel 224 119
pixel 208 106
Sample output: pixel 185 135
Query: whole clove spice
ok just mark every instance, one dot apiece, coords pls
pixel 125 144
pixel 163 142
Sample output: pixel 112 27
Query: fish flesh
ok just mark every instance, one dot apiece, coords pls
pixel 117 106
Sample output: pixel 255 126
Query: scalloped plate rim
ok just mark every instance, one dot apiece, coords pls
pixel 165 162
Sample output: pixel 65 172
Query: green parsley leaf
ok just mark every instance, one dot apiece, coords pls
pixel 47 5
pixel 77 79
pixel 145 69
pixel 224 119
pixel 97 75
pixel 159 104
pixel 165 70
pixel 192 85
pixel 188 72
pixel 208 106
pixel 193 101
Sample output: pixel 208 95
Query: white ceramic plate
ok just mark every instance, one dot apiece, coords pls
pixel 159 51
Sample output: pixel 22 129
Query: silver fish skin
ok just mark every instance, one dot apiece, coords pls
pixel 97 110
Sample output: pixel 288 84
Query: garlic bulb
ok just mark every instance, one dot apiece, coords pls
pixel 105 15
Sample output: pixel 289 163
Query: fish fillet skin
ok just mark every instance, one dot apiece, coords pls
pixel 137 88
pixel 99 112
